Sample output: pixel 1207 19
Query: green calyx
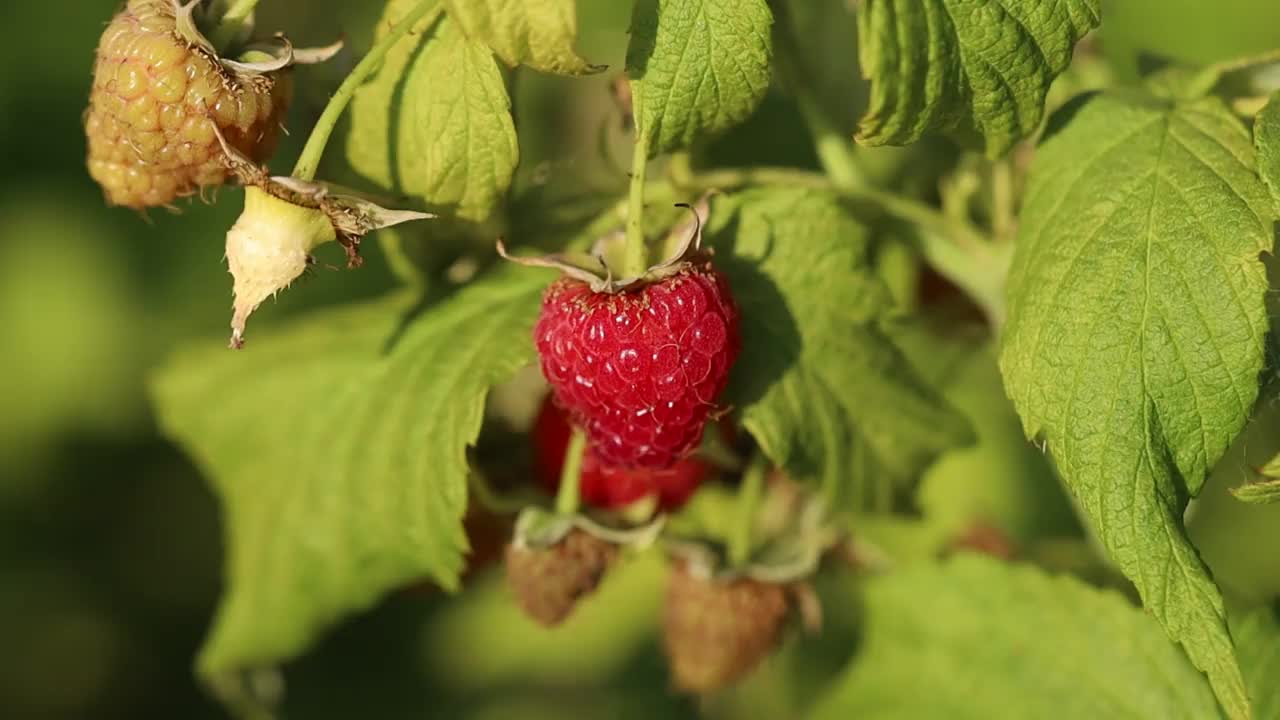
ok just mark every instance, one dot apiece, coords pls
pixel 231 27
pixel 790 534
pixel 603 266
pixel 538 528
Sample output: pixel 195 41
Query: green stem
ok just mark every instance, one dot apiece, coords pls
pixel 953 247
pixel 899 206
pixel 749 497
pixel 950 244
pixel 567 497
pixel 1002 212
pixel 232 23
pixel 309 160
pixel 832 143
pixel 957 190
pixel 636 259
pixel 979 271
pixel 493 500
pixel 834 148
pixel 899 266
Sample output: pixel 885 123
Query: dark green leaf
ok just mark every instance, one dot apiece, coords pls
pixel 697 67
pixel 337 449
pixel 978 639
pixel 537 33
pixel 435 122
pixel 1258 644
pixel 1266 136
pixel 1135 335
pixel 959 64
pixel 821 386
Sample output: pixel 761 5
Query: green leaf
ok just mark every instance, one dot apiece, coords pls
pixel 435 122
pixel 697 67
pixel 1135 335
pixel 337 449
pixel 537 33
pixel 974 638
pixel 821 386
pixel 1266 136
pixel 983 65
pixel 1258 644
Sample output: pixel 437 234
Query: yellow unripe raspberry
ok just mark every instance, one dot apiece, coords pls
pixel 155 100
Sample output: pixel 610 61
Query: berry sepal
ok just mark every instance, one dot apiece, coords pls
pixel 537 528
pixel 284 219
pixel 787 553
pixel 554 560
pixel 263 56
pixel 722 619
pixel 600 266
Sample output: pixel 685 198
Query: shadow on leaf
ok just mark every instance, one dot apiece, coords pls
pixel 769 331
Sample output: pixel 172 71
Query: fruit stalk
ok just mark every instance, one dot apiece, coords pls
pixel 835 153
pixel 831 142
pixel 635 260
pixel 309 160
pixel 958 251
pixel 570 474
pixel 232 23
pixel 1003 207
pixel 749 496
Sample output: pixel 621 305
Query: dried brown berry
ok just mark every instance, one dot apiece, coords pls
pixel 549 582
pixel 715 632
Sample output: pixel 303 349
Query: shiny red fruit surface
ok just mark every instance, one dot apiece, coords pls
pixel 640 370
pixel 601 485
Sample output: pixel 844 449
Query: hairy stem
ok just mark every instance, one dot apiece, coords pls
pixel 567 497
pixel 979 271
pixel 951 245
pixel 899 206
pixel 832 143
pixel 232 23
pixel 1002 211
pixel 834 149
pixel 491 499
pixel 749 496
pixel 957 250
pixel 635 261
pixel 309 160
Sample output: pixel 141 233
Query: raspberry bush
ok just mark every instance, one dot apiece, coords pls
pixel 836 359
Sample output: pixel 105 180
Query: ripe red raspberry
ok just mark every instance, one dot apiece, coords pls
pixel 602 485
pixel 716 632
pixel 155 101
pixel 639 370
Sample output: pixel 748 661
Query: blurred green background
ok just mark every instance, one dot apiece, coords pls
pixel 109 540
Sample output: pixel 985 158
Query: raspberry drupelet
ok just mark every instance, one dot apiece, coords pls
pixel 640 370
pixel 158 101
pixel 606 486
